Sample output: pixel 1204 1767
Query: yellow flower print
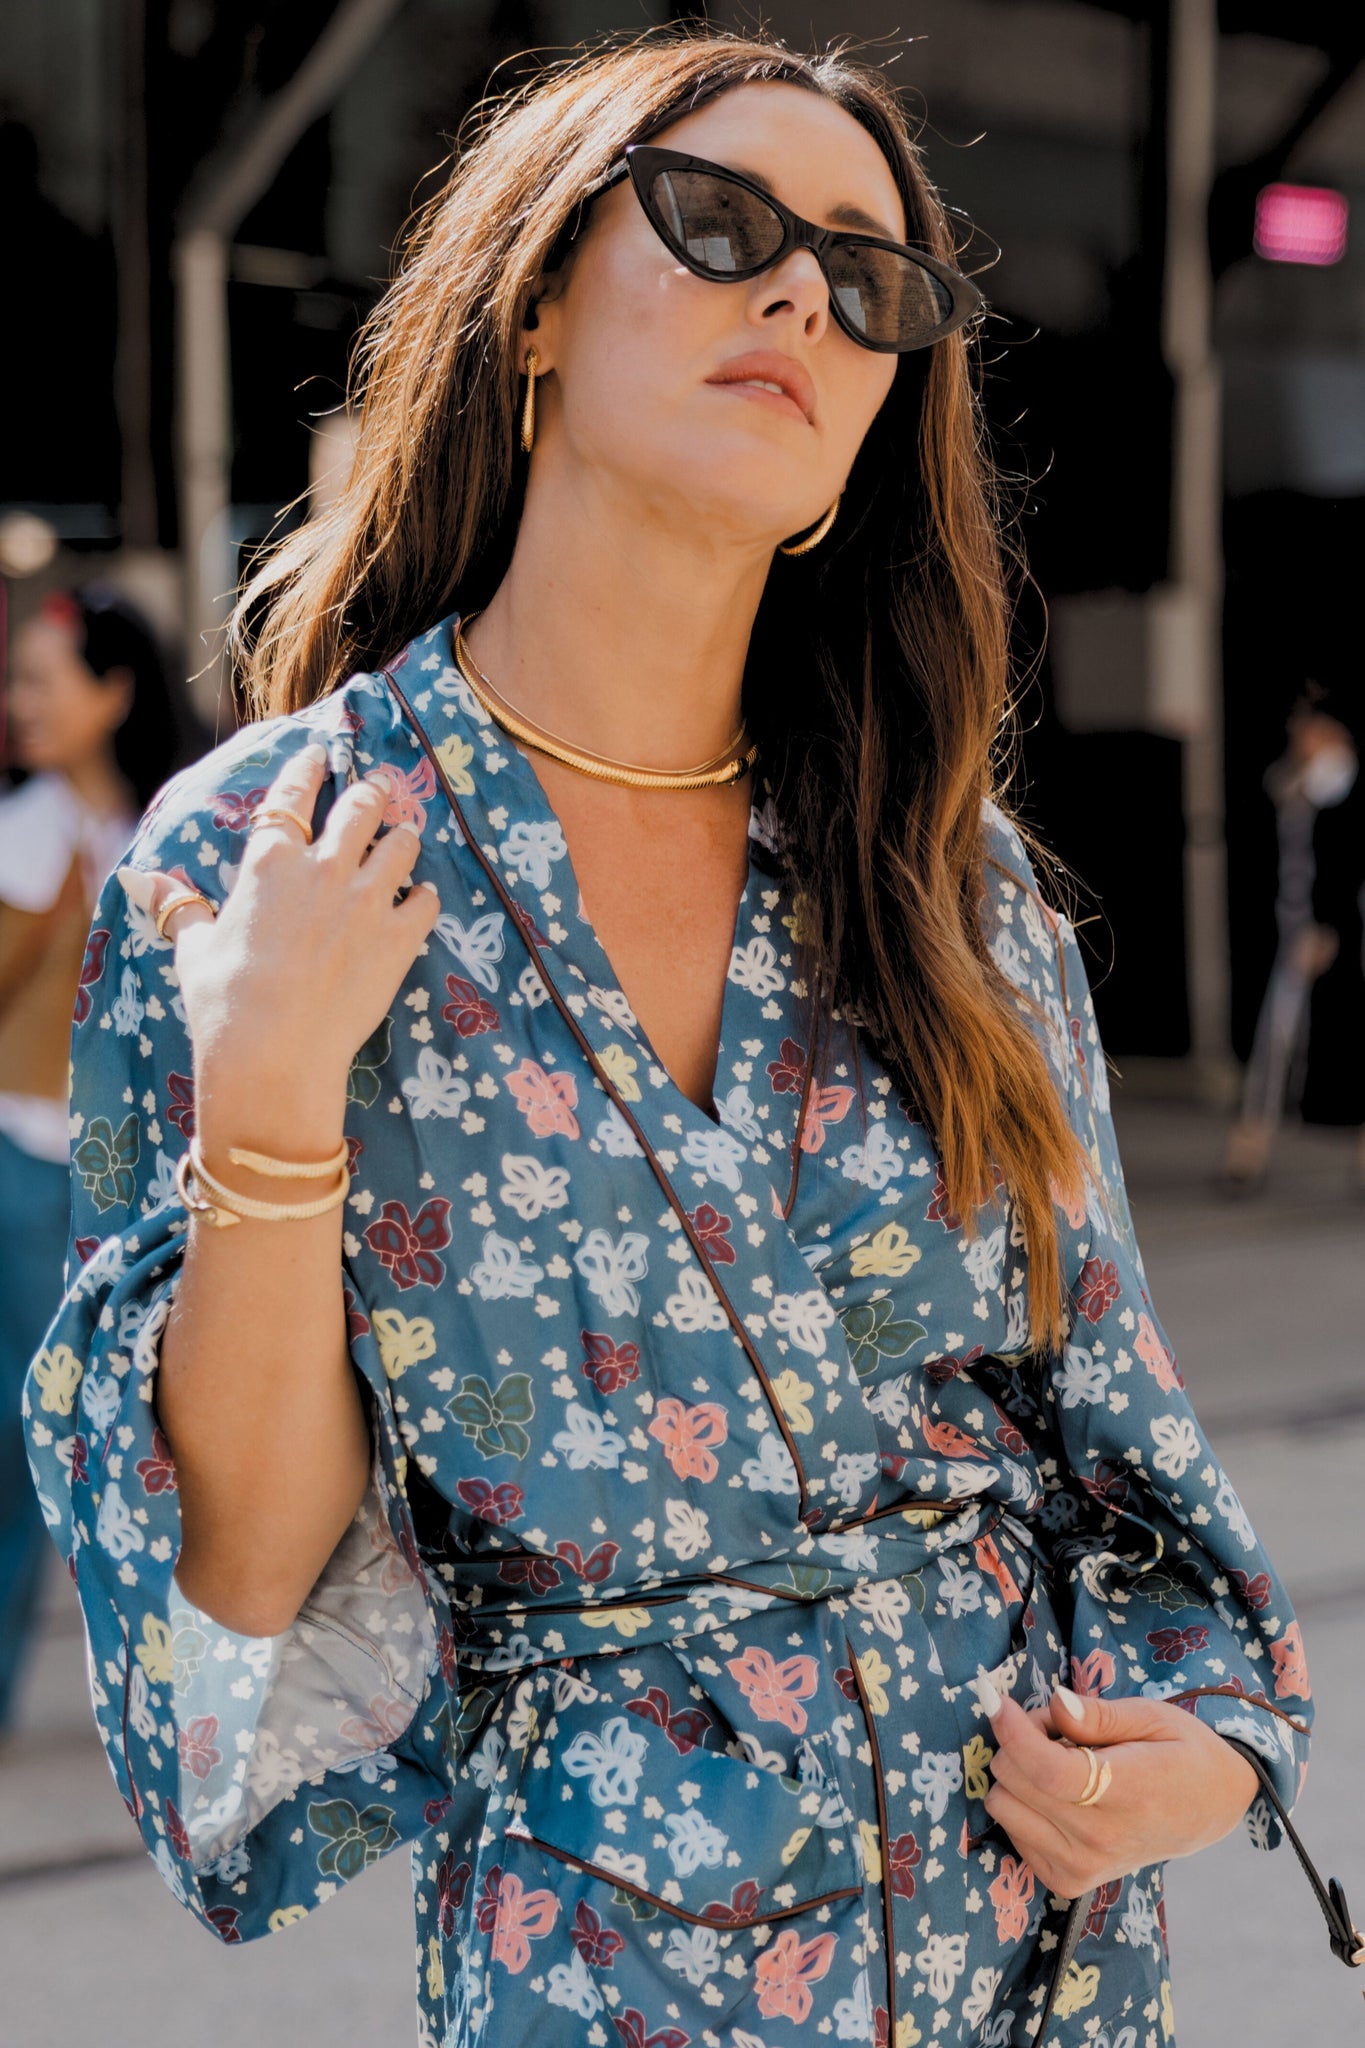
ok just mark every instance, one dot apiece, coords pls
pixel 796 923
pixel 58 1374
pixel 1078 1989
pixel 908 2034
pixel 455 756
pixel 154 1653
pixel 1167 2013
pixel 976 1759
pixel 285 1916
pixel 403 1340
pixel 629 1620
pixel 436 1976
pixel 875 1671
pixel 620 1068
pixel 889 1256
pixel 794 1844
pixel 792 1394
pixel 872 1851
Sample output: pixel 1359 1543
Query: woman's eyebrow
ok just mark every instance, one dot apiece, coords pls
pixel 841 216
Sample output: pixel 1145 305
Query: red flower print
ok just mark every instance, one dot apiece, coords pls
pixel 1291 1666
pixel 1108 1485
pixel 1255 1592
pixel 951 1442
pixel 357 1322
pixel 180 1103
pixel 177 1833
pixel 541 1574
pixel 743 1904
pixel 714 1231
pixel 530 927
pixel 545 1100
pixel 1008 1436
pixel 451 1879
pixel 92 967
pixel 197 1752
pixel 232 810
pixel 773 1690
pixel 435 1811
pixel 1010 1895
pixel 157 1473
pixel 788 1073
pixel 684 1729
pixel 467 1010
pixel 80 1460
pixel 1076 1041
pixel 633 2028
pixel 610 1366
pixel 599 1946
pixel 1105 1898
pixel 405 793
pixel 1097 1289
pixel 407 1245
pixel 939 1209
pixel 940 1370
pixel 787 1968
pixel 1173 1645
pixel 687 1434
pixel 227 1921
pixel 846 1682
pixel 990 1560
pixel 905 1855
pixel 86 1247
pixel 597 1566
pixel 498 1504
pixel 354 1148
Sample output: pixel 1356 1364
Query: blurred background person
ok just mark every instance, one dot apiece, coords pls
pixel 90 736
pixel 1315 773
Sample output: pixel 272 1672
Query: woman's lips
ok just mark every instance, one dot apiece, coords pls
pixel 777 400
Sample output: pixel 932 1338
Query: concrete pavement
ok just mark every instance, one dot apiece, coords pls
pixel 1264 1300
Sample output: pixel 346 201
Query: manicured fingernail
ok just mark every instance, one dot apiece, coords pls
pixel 138 886
pixel 314 752
pixel 986 1693
pixel 429 885
pixel 1068 1699
pixel 404 826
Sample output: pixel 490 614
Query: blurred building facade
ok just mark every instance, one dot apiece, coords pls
pixel 1103 146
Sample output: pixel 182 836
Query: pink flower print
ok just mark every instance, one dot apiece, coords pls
pixel 1010 1895
pixel 1070 1204
pixel 774 1690
pixel 1098 1288
pixel 407 1245
pixel 381 1726
pixel 520 1917
pixel 197 1752
pixel 686 1434
pixel 786 1969
pixel 405 793
pixel 1156 1357
pixel 823 1106
pixel 547 1101
pixel 1291 1666
pixel 1092 1675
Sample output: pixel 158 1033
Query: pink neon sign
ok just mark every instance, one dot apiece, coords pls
pixel 1300 224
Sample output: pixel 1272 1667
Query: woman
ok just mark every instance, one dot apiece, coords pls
pixel 87 730
pixel 627 1528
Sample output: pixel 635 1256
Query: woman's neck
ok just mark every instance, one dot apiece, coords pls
pixel 621 633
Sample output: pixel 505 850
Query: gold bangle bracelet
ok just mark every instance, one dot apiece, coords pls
pixel 228 1207
pixel 290 1169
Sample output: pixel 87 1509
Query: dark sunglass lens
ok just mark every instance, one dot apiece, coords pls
pixel 722 228
pixel 894 302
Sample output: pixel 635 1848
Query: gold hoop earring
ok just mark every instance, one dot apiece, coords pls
pixel 528 410
pixel 816 534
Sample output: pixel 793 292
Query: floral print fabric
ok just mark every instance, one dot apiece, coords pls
pixel 710 1463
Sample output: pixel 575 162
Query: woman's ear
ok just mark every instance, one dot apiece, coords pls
pixel 540 326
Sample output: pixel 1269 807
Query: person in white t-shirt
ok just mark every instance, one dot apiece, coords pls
pixel 90 735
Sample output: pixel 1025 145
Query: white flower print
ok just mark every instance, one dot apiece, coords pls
pixel 270 1770
pixel 616 1137
pixel 1139 1922
pixel 755 968
pixel 936 1777
pixel 695 1842
pixel 1035 931
pixel 484 1761
pixel 804 1318
pixel 771 1470
pixel 531 988
pixel 1009 959
pixel 115 1529
pixel 611 1268
pixel 736 1109
pixel 857 1548
pixel 984 1259
pixel 976 2006
pixel 717 1154
pixel 694 1952
pixel 885 1602
pixel 99 1402
pixel 891 1400
pixel 1233 1513
pixel 1016 1323
pixel 1178 1442
pixel 873 1165
pixel 140 1712
pixel 613 1003
pixel 1083 1377
pixel 532 848
pixel 611 1762
pixel 696 1305
pixel 853 2016
pixel 961 1586
pixel 476 946
pixel 852 1471
pixel 436 1089
pixel 504 1273
pixel 128 1008
pixel 941 1962
pixel 689 1531
pixel 587 1443
pixel 570 1985
pixel 162 1186
pixel 530 1187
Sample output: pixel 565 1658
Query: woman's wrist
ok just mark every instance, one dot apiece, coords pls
pixel 301 1119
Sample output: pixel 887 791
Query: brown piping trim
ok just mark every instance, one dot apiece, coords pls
pixel 1248 1699
pixel 807 1080
pixel 888 1922
pixel 613 1095
pixel 850 1891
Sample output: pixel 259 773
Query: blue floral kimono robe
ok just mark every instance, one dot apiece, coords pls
pixel 711 1460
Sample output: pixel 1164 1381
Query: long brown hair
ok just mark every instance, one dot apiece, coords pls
pixel 877 683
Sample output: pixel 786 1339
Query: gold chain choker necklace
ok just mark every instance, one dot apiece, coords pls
pixel 733 761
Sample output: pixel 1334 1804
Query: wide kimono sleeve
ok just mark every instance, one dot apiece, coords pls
pixel 262 1772
pixel 1169 1591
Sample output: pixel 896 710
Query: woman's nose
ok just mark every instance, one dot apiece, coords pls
pixel 796 286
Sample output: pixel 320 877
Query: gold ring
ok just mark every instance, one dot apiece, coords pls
pixel 177 901
pixel 265 815
pixel 1098 1776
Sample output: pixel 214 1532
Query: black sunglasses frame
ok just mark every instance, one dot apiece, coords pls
pixel 642 162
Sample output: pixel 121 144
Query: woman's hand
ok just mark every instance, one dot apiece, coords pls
pixel 1175 1786
pixel 300 964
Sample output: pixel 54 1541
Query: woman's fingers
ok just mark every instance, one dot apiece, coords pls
pixel 352 823
pixel 150 890
pixel 294 793
pixel 1039 1841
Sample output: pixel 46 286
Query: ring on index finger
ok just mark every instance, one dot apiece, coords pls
pixel 1098 1776
pixel 178 901
pixel 270 812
